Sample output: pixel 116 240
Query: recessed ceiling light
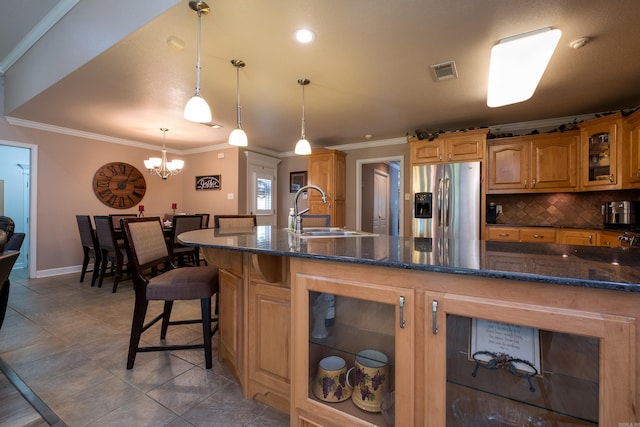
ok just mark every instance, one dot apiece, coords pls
pixel 304 35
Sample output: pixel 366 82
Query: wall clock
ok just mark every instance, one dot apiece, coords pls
pixel 119 185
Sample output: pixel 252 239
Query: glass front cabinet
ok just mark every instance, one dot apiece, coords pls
pixel 527 365
pixel 357 366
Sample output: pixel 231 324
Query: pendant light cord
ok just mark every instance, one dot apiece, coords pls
pixel 303 136
pixel 238 108
pixel 198 60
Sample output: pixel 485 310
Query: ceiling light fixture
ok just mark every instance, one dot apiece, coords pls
pixel 238 136
pixel 304 35
pixel 197 109
pixel 160 166
pixel 517 65
pixel 303 147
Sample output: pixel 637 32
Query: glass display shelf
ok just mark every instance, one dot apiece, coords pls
pixel 361 327
pixel 599 161
pixel 565 391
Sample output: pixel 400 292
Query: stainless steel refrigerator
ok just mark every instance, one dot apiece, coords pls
pixel 447 201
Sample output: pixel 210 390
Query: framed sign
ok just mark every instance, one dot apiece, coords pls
pixel 209 182
pixel 297 180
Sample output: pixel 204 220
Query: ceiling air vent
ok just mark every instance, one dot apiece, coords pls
pixel 444 71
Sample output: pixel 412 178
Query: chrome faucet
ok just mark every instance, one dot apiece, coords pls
pixel 297 216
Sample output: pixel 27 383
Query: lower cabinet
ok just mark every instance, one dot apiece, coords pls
pixel 577 237
pixel 528 364
pixel 359 371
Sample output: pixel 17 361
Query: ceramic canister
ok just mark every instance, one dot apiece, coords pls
pixel 371 380
pixel 330 384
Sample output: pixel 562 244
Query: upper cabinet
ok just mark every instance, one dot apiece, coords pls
pixel 533 163
pixel 631 163
pixel 605 152
pixel 327 169
pixel 450 147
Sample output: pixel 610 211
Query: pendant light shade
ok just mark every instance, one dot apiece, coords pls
pixel 303 147
pixel 197 109
pixel 238 136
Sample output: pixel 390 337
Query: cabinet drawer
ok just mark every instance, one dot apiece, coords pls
pixel 505 234
pixel 608 238
pixel 577 237
pixel 546 235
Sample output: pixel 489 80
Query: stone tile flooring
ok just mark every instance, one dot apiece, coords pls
pixel 68 342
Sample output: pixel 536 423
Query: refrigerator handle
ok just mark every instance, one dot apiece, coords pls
pixel 447 194
pixel 440 202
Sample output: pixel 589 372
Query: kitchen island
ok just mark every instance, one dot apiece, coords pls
pixel 429 305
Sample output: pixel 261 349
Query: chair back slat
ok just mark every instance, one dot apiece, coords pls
pixel 205 220
pixel 183 223
pixel 145 243
pixel 234 221
pixel 115 219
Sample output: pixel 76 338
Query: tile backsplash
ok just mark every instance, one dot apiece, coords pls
pixel 557 209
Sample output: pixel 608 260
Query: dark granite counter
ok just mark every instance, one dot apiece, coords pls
pixel 583 266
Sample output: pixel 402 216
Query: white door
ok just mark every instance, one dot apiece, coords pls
pixel 380 202
pixel 261 187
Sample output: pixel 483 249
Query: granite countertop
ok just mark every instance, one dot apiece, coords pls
pixel 583 266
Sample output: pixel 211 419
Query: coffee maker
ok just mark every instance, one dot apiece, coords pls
pixel 620 213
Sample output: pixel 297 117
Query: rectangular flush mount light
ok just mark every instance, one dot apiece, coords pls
pixel 517 64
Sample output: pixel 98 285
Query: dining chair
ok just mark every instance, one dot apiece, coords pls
pixel 115 219
pixel 148 252
pixel 112 251
pixel 7 260
pixel 228 221
pixel 15 242
pixel 205 220
pixel 179 253
pixel 316 220
pixel 90 247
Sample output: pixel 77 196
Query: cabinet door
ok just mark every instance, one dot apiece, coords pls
pixel 269 343
pixel 554 163
pixel 508 166
pixel 427 151
pixel 577 237
pixel 505 234
pixel 230 300
pixel 367 317
pixel 465 148
pixel 632 172
pixel 599 145
pixel 538 234
pixel 609 239
pixel 518 362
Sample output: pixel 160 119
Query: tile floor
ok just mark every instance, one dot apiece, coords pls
pixel 68 342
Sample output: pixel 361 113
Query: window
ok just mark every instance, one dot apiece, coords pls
pixel 264 195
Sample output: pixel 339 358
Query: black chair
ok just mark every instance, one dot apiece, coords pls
pixel 148 255
pixel 179 253
pixel 15 242
pixel 112 251
pixel 230 221
pixel 90 247
pixel 7 259
pixel 115 219
pixel 205 220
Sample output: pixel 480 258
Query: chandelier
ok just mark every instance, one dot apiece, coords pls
pixel 160 166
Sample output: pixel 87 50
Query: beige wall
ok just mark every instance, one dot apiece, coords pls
pixel 66 165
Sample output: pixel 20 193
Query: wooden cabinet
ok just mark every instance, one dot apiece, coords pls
pixel 373 312
pixel 255 322
pixel 631 163
pixel 450 147
pixel 327 169
pixel 609 238
pixel 573 346
pixel 603 143
pixel 577 237
pixel 521 234
pixel 534 163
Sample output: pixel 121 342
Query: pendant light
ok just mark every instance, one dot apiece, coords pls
pixel 197 109
pixel 159 165
pixel 303 147
pixel 238 136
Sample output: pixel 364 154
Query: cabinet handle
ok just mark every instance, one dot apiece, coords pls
pixel 526 183
pixel 533 182
pixel 434 318
pixel 402 322
pixel 638 173
pixel 503 234
pixel 440 156
pixel 537 236
pixel 611 178
pixel 449 156
pixel 590 238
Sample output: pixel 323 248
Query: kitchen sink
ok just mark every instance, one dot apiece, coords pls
pixel 332 232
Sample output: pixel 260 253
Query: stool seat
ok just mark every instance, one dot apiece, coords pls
pixel 184 283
